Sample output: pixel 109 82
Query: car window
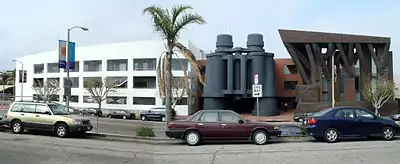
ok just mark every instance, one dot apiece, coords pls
pixel 209 117
pixel 228 117
pixel 58 109
pixel 16 108
pixel 322 112
pixel 345 113
pixel 363 114
pixel 29 108
pixel 41 109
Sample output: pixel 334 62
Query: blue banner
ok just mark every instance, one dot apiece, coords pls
pixel 62 55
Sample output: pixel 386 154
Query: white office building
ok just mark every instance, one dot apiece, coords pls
pixel 131 64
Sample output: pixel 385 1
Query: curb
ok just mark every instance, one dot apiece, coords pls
pixel 144 140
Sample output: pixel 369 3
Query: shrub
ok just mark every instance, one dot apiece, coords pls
pixel 145 131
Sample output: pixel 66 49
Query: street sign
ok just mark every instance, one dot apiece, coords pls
pixel 257 90
pixel 255 78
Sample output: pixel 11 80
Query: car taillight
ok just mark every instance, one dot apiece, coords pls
pixel 170 125
pixel 311 121
pixel 6 115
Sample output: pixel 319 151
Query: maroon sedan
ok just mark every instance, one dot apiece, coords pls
pixel 220 125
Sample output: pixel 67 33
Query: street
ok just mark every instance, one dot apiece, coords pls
pixel 38 149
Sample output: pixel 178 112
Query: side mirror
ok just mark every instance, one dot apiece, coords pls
pixel 47 112
pixel 241 122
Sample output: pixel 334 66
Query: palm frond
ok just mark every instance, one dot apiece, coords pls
pixel 160 74
pixel 178 10
pixel 161 20
pixel 185 20
pixel 192 60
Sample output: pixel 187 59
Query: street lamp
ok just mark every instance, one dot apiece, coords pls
pixel 67 62
pixel 22 78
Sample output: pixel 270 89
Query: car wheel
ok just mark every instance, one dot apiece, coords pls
pixel 61 130
pixel 143 118
pixel 17 127
pixel 331 135
pixel 124 117
pixel 387 133
pixel 260 137
pixel 163 118
pixel 192 138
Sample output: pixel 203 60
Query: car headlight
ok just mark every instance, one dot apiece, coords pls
pixel 397 122
pixel 76 122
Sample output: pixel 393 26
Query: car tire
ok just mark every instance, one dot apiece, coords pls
pixel 163 118
pixel 192 138
pixel 143 118
pixel 61 130
pixel 17 127
pixel 124 117
pixel 388 133
pixel 331 135
pixel 260 137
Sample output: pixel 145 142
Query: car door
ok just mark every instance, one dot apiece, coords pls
pixel 346 122
pixel 230 126
pixel 369 125
pixel 43 117
pixel 27 115
pixel 209 125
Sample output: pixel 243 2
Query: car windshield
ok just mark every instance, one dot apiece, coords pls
pixel 322 112
pixel 58 109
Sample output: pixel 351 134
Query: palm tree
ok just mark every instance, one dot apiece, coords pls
pixel 169 23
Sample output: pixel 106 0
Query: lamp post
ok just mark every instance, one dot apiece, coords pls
pixel 67 62
pixel 22 79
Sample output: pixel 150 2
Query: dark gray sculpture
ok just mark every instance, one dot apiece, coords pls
pixel 230 72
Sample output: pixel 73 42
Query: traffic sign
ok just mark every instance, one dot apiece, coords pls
pixel 255 78
pixel 257 90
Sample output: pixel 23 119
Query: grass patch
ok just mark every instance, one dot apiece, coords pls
pixel 145 131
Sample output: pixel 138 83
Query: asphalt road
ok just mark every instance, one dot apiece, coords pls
pixel 37 149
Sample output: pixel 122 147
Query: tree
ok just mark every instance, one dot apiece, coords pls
pixel 169 23
pixel 99 89
pixel 379 94
pixel 46 90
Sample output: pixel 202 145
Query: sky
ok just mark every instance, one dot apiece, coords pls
pixel 29 27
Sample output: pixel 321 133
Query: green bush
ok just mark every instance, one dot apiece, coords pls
pixel 145 131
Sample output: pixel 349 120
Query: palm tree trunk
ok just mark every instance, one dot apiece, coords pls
pixel 168 87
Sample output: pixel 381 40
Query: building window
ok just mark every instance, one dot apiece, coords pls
pixel 38 82
pixel 120 82
pixel 86 80
pixel 55 81
pixel 144 64
pixel 88 99
pixel 73 98
pixel 144 82
pixel 38 68
pixel 74 82
pixel 92 66
pixel 76 68
pixel 144 101
pixel 117 65
pixel 290 85
pixel 289 69
pixel 182 101
pixel 53 68
pixel 177 64
pixel 116 100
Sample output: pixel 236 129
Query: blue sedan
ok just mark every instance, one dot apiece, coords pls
pixel 333 124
